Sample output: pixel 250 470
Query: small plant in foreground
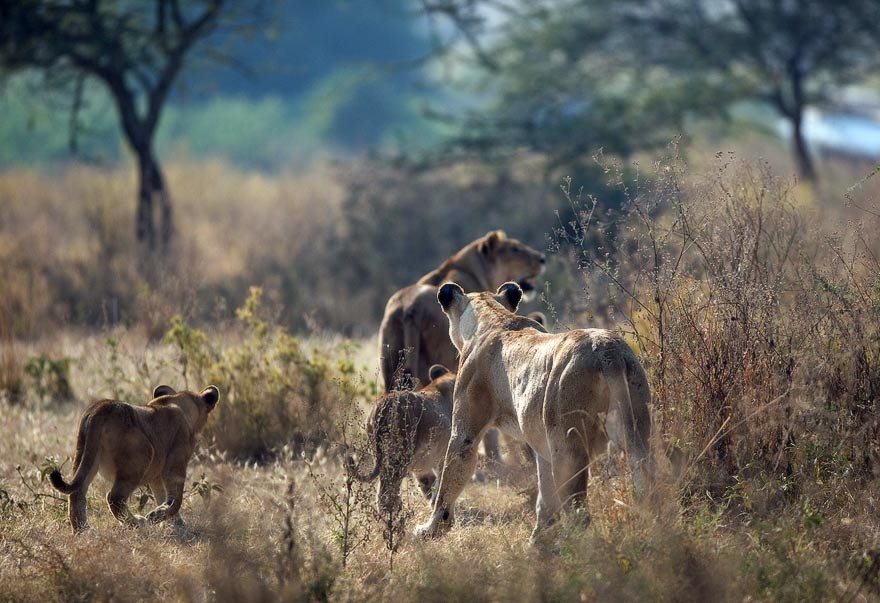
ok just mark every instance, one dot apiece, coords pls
pixel 347 502
pixel 277 394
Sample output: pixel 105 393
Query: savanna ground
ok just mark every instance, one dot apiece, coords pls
pixel 753 302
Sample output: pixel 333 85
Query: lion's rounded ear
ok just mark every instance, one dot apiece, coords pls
pixel 490 241
pixel 436 371
pixel 211 395
pixel 538 317
pixel 163 390
pixel 509 294
pixel 448 293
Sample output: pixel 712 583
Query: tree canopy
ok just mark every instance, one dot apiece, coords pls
pixel 136 50
pixel 569 76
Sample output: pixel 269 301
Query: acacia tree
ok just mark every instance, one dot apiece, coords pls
pixel 791 54
pixel 621 74
pixel 552 82
pixel 136 50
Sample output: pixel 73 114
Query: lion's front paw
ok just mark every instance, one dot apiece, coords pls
pixel 438 525
pixel 425 531
pixel 158 514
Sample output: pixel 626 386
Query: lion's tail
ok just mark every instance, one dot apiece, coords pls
pixel 87 445
pixel 353 471
pixel 633 398
pixel 351 466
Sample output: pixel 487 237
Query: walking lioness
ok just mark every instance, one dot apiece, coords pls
pixel 137 445
pixel 563 394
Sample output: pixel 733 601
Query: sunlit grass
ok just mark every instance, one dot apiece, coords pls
pixel 778 347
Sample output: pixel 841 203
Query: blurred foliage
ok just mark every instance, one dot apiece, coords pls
pixel 311 77
pixel 50 378
pixel 565 77
pixel 328 244
pixel 562 78
pixel 556 89
pixel 35 127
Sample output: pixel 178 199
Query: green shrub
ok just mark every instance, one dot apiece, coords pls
pixel 50 378
pixel 274 392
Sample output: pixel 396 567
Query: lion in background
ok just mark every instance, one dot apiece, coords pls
pixel 415 333
pixel 409 433
pixel 137 445
pixel 563 394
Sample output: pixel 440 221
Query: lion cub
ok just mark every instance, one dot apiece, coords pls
pixel 409 431
pixel 137 445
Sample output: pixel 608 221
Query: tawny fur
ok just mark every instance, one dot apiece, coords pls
pixel 409 433
pixel 137 445
pixel 415 333
pixel 563 394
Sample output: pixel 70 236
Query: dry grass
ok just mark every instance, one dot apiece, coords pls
pixel 327 245
pixel 756 312
pixel 242 549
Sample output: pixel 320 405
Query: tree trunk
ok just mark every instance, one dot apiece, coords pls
pixel 803 159
pixel 150 189
pixel 144 227
pixel 166 214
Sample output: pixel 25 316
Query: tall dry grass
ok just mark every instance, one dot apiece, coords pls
pixel 328 245
pixel 69 254
pixel 759 322
pixel 756 312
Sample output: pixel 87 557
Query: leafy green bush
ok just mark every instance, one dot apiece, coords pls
pixel 274 393
pixel 50 378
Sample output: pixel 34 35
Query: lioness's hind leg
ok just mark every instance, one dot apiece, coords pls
pixel 571 462
pixel 117 499
pixel 548 504
pixel 571 474
pixel 173 482
pixel 77 511
pixel 160 495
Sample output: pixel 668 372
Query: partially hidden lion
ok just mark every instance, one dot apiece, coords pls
pixel 133 446
pixel 415 333
pixel 563 394
pixel 409 433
